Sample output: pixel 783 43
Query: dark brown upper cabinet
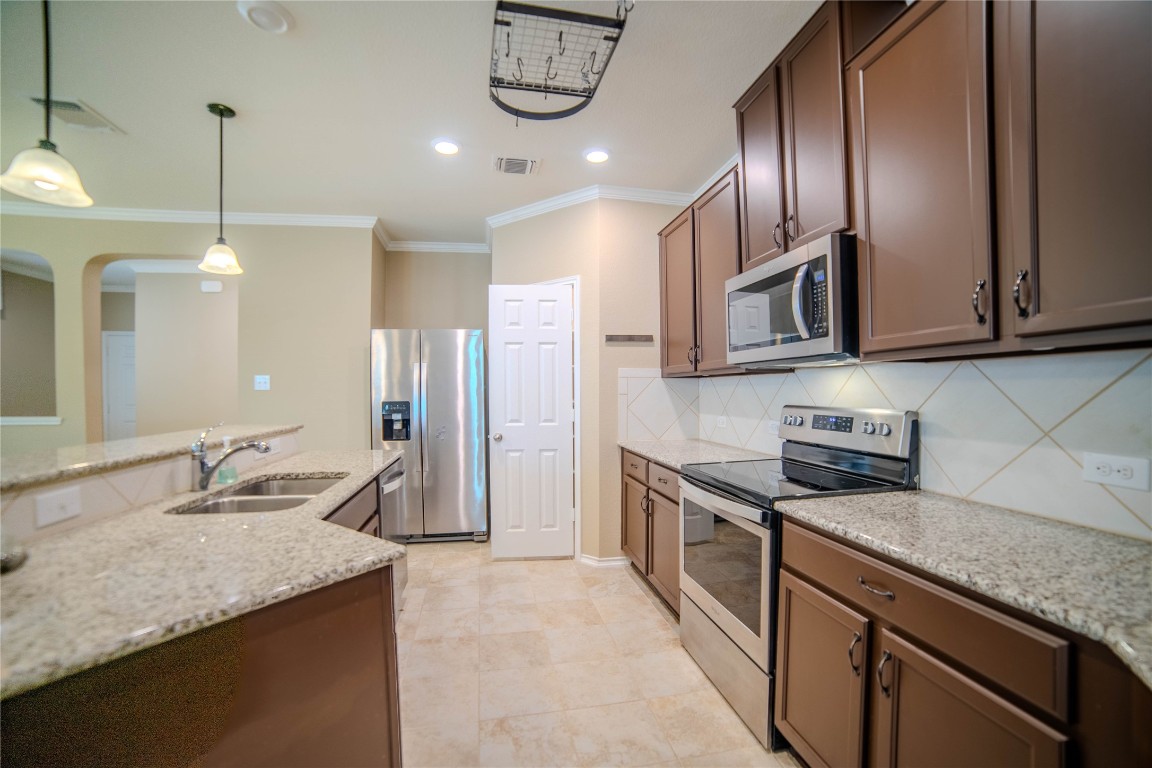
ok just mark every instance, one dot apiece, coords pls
pixel 918 122
pixel 1074 132
pixel 790 128
pixel 699 250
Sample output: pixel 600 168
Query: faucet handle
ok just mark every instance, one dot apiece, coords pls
pixel 198 446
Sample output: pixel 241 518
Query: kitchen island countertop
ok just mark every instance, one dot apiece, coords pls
pixel 105 590
pixel 1094 583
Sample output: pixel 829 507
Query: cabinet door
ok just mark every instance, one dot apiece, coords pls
pixel 717 259
pixel 821 662
pixel 928 713
pixel 664 565
pixel 919 132
pixel 761 201
pixel 1074 84
pixel 677 297
pixel 634 525
pixel 812 111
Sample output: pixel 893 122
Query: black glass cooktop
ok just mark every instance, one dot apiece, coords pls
pixel 761 482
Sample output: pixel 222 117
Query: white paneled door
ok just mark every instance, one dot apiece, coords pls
pixel 119 384
pixel 530 418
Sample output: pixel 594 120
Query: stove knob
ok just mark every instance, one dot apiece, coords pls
pixel 787 421
pixel 885 430
pixel 869 428
pixel 798 421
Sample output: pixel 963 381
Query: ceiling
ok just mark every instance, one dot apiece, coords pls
pixel 336 116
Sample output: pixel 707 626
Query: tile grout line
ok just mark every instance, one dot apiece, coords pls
pixel 1096 396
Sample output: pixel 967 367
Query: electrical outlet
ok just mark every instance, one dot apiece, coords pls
pixel 262 382
pixel 773 427
pixel 721 422
pixel 1122 471
pixel 56 506
pixel 274 446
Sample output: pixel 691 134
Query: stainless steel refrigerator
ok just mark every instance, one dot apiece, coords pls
pixel 428 401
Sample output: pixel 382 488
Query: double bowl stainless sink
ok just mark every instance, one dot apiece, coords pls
pixel 263 496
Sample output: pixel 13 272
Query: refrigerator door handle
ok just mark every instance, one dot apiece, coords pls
pixel 423 390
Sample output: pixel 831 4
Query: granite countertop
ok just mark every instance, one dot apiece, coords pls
pixel 25 470
pixel 105 590
pixel 1091 582
pixel 676 453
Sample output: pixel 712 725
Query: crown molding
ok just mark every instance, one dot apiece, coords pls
pixel 720 173
pixel 382 234
pixel 18 208
pixel 409 246
pixel 586 194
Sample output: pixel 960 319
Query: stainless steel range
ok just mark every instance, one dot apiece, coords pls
pixel 729 562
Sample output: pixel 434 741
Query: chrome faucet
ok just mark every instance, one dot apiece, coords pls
pixel 202 469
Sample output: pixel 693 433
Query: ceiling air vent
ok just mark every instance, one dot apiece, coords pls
pixel 79 115
pixel 516 166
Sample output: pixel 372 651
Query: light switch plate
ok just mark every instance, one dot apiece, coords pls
pixel 1122 471
pixel 56 506
pixel 262 382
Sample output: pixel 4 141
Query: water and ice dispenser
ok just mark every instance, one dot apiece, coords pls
pixel 396 420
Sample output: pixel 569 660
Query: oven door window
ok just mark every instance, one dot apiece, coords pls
pixel 726 561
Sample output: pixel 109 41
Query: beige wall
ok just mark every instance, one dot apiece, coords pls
pixel 117 311
pixel 612 246
pixel 186 353
pixel 304 319
pixel 378 294
pixel 437 290
pixel 27 344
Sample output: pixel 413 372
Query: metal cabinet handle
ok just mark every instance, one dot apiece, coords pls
pixel 873 590
pixel 645 503
pixel 1018 291
pixel 498 437
pixel 662 480
pixel 981 316
pixel 691 355
pixel 787 230
pixel 856 638
pixel 775 239
pixel 886 690
pixel 697 353
pixel 634 466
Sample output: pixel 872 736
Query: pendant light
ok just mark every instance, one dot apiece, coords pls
pixel 41 173
pixel 220 259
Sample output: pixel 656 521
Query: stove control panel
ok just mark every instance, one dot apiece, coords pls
pixel 871 430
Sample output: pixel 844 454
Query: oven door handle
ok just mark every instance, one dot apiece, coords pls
pixel 799 284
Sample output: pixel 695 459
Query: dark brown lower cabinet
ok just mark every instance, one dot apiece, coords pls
pixel 307 682
pixel 820 675
pixel 634 525
pixel 664 565
pixel 929 713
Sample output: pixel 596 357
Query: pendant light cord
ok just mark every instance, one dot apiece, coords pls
pixel 221 175
pixel 47 75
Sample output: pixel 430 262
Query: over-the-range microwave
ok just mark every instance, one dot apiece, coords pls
pixel 798 309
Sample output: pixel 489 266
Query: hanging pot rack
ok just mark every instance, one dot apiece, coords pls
pixel 553 52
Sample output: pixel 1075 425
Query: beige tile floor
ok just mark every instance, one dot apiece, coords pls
pixel 552 663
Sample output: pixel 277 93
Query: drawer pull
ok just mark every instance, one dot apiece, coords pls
pixel 886 690
pixel 873 590
pixel 661 480
pixel 856 638
pixel 634 466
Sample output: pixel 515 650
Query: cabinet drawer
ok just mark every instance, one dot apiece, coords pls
pixel 358 510
pixel 1025 660
pixel 635 466
pixel 664 481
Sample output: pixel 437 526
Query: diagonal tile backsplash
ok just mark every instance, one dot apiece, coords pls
pixel 1008 431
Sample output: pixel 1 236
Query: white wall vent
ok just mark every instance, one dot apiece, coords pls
pixel 516 166
pixel 79 115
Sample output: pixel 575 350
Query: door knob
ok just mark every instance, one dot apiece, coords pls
pixel 497 437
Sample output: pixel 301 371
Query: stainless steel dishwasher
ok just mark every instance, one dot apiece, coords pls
pixel 391 484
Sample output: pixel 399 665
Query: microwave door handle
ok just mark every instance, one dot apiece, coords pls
pixel 798 286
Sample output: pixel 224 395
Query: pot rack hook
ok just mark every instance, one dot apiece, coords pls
pixel 507 43
pixel 548 73
pixel 519 74
pixel 623 8
pixel 561 46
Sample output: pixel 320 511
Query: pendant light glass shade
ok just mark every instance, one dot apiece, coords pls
pixel 220 259
pixel 41 173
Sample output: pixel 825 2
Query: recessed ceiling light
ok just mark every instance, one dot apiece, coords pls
pixel 266 15
pixel 596 156
pixel 446 146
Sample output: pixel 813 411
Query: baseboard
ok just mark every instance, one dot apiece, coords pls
pixel 604 562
